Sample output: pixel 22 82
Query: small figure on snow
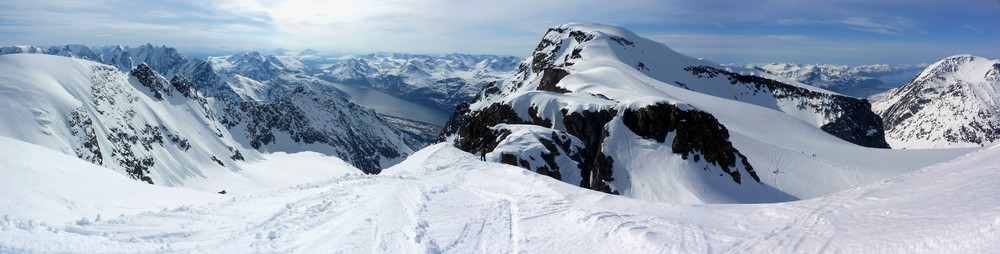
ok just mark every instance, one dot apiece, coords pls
pixel 222 192
pixel 482 152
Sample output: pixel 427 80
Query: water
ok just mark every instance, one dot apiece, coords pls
pixel 393 106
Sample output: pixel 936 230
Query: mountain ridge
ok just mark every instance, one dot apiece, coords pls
pixel 582 109
pixel 952 103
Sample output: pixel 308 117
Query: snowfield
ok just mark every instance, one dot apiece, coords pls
pixel 444 200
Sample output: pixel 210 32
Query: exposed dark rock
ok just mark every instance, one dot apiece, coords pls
pixel 641 66
pixel 589 127
pixel 459 118
pixel 183 85
pixel 551 77
pixel 542 59
pixel 216 160
pixel 550 169
pixel 82 127
pixel 536 119
pixel 475 131
pixel 581 36
pixel 150 79
pixel 622 41
pixel 696 132
pixel 236 154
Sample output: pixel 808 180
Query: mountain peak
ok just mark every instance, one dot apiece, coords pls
pixel 952 103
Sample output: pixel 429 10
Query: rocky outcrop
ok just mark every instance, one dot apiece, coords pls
pixel 151 80
pixel 183 86
pixel 550 77
pixel 696 134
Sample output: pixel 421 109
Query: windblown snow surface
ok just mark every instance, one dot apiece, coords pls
pixel 444 200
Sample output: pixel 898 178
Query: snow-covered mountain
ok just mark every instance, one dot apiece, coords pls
pixel 602 108
pixel 141 123
pixel 21 50
pixel 859 80
pixel 952 103
pixel 319 121
pixel 258 77
pixel 136 123
pixel 431 84
pixel 440 81
pixel 165 60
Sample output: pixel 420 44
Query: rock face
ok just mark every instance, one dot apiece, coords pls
pixel 154 82
pixel 952 103
pixel 695 132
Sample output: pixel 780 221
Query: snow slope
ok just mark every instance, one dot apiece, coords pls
pixel 442 200
pixel 952 103
pixel 602 108
pixel 141 124
pixel 110 118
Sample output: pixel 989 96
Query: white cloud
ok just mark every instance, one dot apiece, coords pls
pixel 973 29
pixel 892 26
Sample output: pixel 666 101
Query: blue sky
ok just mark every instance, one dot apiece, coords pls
pixel 803 31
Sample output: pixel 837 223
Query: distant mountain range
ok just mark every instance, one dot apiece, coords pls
pixel 440 81
pixel 859 80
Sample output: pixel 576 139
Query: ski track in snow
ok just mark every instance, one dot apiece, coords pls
pixel 442 200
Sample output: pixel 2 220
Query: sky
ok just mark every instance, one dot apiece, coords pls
pixel 764 31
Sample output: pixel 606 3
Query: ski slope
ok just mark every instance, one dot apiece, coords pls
pixel 443 200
